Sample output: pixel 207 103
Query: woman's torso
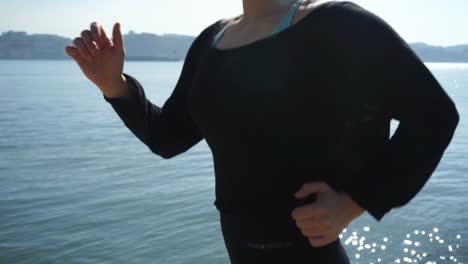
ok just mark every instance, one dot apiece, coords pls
pixel 274 111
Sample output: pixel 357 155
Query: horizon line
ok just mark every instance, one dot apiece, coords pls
pixel 194 36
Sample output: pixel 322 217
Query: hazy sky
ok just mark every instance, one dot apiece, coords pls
pixel 436 22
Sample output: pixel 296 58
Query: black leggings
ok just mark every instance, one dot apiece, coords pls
pixel 272 240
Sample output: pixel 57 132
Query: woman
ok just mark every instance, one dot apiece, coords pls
pixel 294 99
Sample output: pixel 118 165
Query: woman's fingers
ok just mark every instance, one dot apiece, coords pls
pixel 92 41
pixel 79 44
pixel 321 241
pixel 117 37
pixel 89 43
pixel 95 31
pixel 74 54
pixel 312 231
pixel 99 35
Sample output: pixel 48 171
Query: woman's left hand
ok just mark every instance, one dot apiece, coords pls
pixel 323 220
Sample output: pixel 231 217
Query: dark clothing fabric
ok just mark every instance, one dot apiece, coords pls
pixel 246 245
pixel 311 103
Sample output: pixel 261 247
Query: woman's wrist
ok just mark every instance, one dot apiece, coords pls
pixel 354 208
pixel 118 88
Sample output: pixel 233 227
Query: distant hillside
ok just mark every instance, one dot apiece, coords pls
pixel 458 53
pixel 19 45
pixel 166 47
pixel 143 46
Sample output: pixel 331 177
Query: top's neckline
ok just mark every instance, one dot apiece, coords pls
pixel 287 30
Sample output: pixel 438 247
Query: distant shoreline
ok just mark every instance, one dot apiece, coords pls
pixel 67 59
pixel 170 60
pixel 19 45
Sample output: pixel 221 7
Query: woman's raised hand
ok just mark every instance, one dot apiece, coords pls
pixel 101 59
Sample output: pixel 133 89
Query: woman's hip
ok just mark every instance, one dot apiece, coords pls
pixel 269 238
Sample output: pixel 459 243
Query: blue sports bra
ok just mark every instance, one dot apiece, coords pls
pixel 284 23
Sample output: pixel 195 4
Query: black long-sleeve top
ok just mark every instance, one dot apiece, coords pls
pixel 313 102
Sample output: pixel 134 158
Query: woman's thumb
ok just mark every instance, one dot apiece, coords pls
pixel 309 188
pixel 117 38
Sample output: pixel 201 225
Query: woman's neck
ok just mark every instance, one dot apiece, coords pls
pixel 257 10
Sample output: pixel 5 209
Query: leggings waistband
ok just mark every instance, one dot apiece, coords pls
pixel 264 240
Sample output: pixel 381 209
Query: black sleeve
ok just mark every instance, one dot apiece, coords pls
pixel 427 116
pixel 168 130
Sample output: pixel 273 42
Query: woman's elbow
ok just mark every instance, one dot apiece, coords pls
pixel 162 148
pixel 455 117
pixel 163 153
pixel 452 117
pixel 446 121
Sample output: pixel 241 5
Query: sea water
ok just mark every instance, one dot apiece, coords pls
pixel 76 186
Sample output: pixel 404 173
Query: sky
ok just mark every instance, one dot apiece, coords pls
pixel 436 22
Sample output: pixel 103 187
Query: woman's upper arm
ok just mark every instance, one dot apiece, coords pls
pixel 384 65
